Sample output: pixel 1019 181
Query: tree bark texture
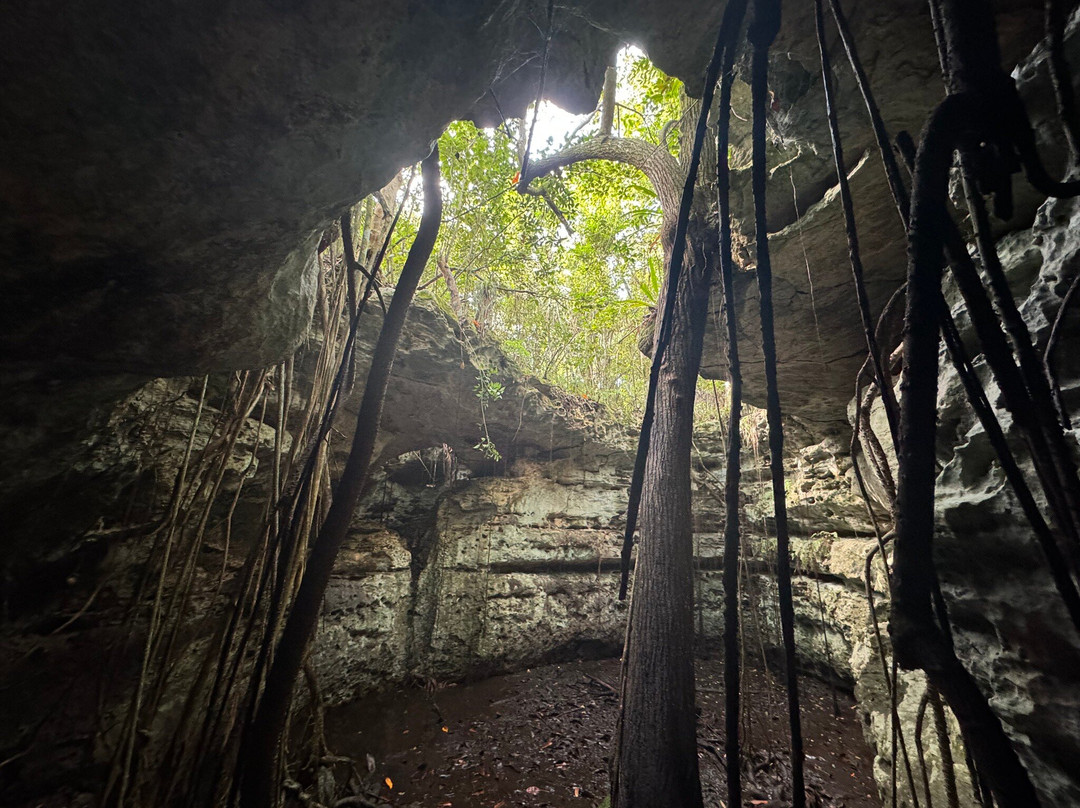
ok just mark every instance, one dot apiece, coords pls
pixel 659 769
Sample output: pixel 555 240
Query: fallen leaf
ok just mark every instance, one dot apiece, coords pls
pixel 389 782
pixel 445 729
pixel 532 790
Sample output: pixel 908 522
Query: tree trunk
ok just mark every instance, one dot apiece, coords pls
pixel 659 769
pixel 656 762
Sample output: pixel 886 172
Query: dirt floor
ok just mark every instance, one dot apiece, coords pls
pixel 542 738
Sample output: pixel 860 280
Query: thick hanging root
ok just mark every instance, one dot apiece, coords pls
pixel 762 32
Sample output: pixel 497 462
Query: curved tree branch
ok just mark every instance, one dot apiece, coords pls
pixel 655 162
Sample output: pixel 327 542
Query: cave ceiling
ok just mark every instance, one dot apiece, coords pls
pixel 168 168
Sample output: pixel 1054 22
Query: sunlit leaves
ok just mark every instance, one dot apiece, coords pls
pixel 566 306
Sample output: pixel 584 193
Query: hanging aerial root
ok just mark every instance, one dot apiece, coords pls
pixel 1060 78
pixel 917 641
pixel 1016 398
pixel 732 462
pixel 259 781
pixel 762 32
pixel 888 399
pixel 856 440
pixel 204 746
pixel 1032 368
pixel 277 567
pixel 888 672
pixel 941 733
pixel 881 135
pixel 920 718
pixel 974 704
pixel 1056 562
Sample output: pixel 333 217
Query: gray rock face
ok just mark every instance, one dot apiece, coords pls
pixel 1013 632
pixel 490 574
pixel 820 338
pixel 1011 629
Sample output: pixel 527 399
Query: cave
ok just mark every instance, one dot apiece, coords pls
pixel 301 508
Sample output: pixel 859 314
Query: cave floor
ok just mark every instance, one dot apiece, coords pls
pixel 541 738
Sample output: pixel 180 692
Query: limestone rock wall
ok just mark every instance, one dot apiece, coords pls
pixel 1012 630
pixel 83 518
pixel 449 578
pixel 494 574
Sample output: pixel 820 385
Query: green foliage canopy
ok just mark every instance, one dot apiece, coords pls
pixel 565 291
